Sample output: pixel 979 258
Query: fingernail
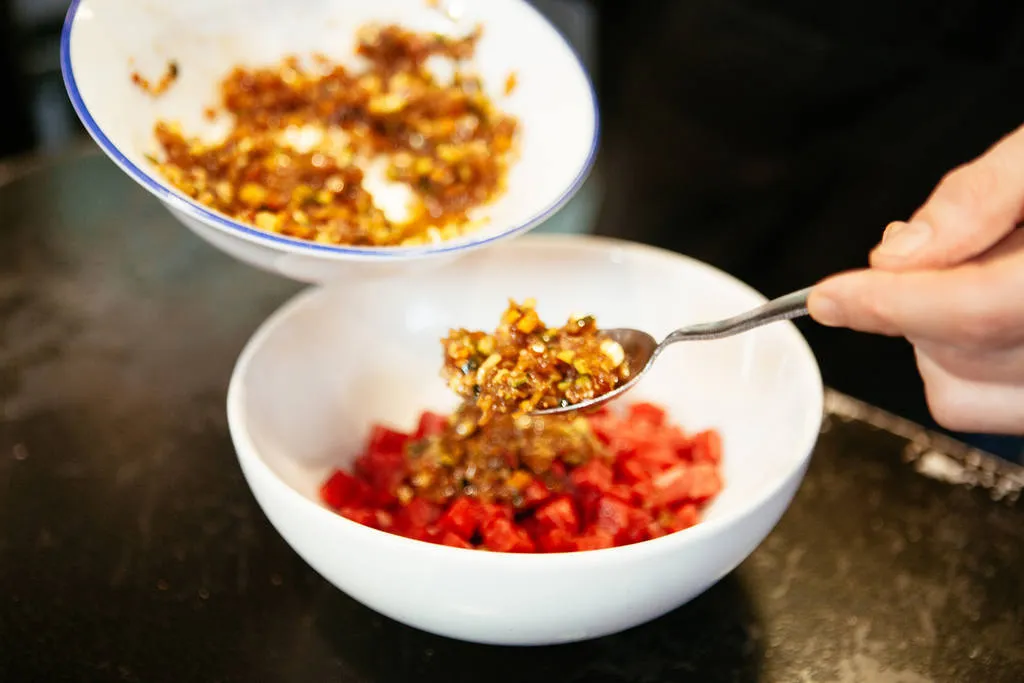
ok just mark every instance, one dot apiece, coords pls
pixel 903 239
pixel 825 310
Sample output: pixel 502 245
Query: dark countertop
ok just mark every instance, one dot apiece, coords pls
pixel 131 549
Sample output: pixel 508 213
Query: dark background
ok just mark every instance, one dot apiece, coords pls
pixel 774 139
pixel 777 138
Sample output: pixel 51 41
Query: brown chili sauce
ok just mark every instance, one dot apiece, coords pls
pixel 491 447
pixel 525 365
pixel 292 162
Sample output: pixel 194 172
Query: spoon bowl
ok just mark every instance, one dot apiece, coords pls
pixel 641 349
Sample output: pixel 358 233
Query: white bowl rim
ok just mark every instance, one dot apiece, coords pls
pixel 292 245
pixel 247 452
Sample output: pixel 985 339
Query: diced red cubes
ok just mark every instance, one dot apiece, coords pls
pixel 344 490
pixel 559 514
pixel 430 424
pixel 654 481
pixel 503 536
pixel 462 518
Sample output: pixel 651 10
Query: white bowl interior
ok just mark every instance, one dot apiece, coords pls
pixel 111 38
pixel 339 359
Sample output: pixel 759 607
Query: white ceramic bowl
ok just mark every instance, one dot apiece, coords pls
pixel 105 40
pixel 334 360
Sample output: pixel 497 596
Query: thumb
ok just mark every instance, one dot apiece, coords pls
pixel 970 210
pixel 973 305
pixel 950 305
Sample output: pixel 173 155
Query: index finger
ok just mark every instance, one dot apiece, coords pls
pixel 977 304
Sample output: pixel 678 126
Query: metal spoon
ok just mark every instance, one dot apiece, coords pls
pixel 642 349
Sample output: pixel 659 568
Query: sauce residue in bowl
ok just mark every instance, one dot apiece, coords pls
pixel 169 77
pixel 294 161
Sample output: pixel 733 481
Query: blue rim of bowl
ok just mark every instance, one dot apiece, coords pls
pixel 252 234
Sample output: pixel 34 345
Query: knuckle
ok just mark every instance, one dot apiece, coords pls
pixel 970 186
pixel 982 329
pixel 984 321
pixel 943 392
pixel 944 403
pixel 879 309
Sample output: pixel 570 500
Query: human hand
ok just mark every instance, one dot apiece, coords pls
pixel 951 280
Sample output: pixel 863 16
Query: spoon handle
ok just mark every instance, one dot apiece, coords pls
pixel 792 305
